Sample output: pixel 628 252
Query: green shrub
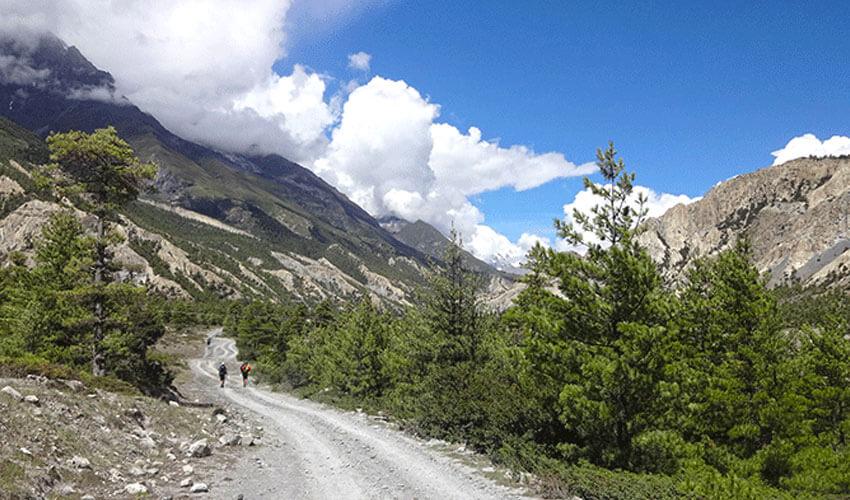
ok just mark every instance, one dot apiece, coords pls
pixel 660 451
pixel 705 482
pixel 590 482
pixel 819 469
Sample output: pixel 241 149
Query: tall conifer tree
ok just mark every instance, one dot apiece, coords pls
pixel 102 171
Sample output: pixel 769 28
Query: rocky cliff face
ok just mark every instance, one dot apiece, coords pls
pixel 796 215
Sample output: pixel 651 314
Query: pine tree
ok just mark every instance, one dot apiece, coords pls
pixel 595 345
pixel 102 171
pixel 453 310
pixel 827 353
pixel 738 369
pixel 44 308
pixel 455 327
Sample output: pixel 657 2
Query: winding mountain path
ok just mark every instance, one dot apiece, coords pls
pixel 313 451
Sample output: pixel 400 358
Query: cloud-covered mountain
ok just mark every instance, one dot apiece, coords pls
pixel 206 71
pixel 267 225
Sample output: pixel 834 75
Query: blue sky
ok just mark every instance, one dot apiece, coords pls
pixel 479 114
pixel 691 96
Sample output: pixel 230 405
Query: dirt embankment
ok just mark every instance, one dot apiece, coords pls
pixel 61 439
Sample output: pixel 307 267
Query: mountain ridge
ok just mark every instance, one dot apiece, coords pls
pixel 294 217
pixel 796 215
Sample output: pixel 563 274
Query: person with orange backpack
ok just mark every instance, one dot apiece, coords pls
pixel 245 368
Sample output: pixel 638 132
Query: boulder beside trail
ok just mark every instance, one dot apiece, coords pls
pixel 199 488
pixel 12 392
pixel 230 439
pixel 80 462
pixel 135 489
pixel 200 449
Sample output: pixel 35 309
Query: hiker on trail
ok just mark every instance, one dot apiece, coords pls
pixel 245 368
pixel 222 373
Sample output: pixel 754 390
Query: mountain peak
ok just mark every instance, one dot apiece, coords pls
pixel 43 60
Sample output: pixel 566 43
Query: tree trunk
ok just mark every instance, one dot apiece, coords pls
pixel 98 357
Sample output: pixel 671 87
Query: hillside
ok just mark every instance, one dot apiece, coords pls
pixel 796 215
pixel 499 288
pixel 219 223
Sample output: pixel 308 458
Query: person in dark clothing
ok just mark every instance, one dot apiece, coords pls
pixel 222 373
pixel 245 368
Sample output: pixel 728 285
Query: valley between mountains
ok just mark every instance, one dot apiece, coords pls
pixel 703 354
pixel 313 451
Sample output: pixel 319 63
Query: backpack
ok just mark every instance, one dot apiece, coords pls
pixel 245 368
pixel 222 370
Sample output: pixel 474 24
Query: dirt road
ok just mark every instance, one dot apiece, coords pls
pixel 313 451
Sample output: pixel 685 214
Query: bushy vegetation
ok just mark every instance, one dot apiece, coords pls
pixel 601 379
pixel 46 312
pixel 69 310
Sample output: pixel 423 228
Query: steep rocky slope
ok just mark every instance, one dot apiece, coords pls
pixel 796 215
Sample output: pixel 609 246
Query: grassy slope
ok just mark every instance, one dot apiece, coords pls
pixel 17 143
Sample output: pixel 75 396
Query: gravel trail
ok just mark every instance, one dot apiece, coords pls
pixel 314 451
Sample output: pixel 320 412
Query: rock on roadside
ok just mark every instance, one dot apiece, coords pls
pixel 80 462
pixel 12 392
pixel 200 449
pixel 230 439
pixel 135 488
pixel 199 488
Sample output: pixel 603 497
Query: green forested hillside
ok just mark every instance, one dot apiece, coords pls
pixel 17 143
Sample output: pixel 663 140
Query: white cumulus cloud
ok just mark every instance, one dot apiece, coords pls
pixel 390 155
pixel 656 204
pixel 809 145
pixel 202 67
pixel 359 61
pixel 381 145
pixel 475 165
pixel 297 98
